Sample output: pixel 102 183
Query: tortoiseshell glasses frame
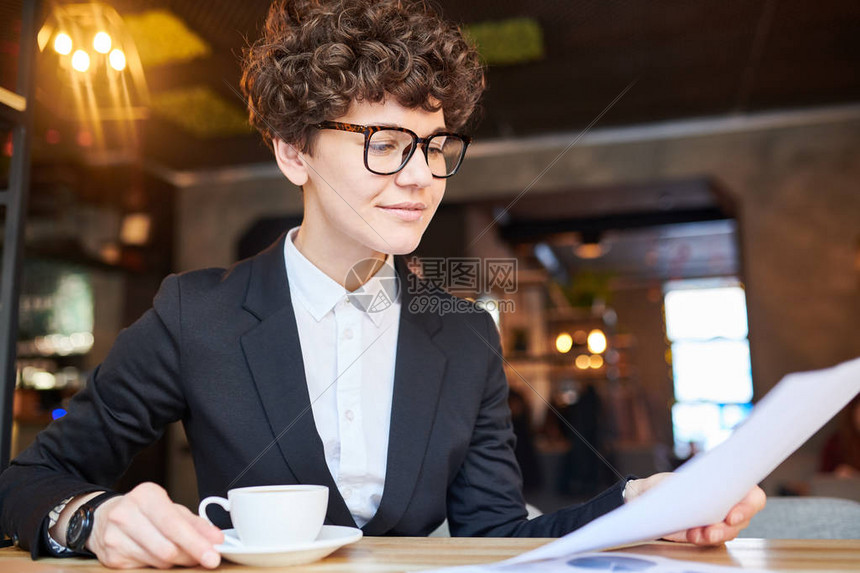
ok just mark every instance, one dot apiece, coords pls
pixel 456 148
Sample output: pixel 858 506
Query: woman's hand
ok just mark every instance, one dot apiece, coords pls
pixel 145 528
pixel 738 517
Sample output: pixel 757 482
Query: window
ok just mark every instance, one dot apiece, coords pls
pixel 706 326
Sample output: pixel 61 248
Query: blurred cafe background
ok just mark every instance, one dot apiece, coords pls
pixel 674 185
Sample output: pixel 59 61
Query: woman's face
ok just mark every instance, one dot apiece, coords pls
pixel 357 208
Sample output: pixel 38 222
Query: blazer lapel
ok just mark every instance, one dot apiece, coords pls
pixel 274 357
pixel 418 373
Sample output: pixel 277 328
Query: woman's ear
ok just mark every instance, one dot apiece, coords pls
pixel 291 162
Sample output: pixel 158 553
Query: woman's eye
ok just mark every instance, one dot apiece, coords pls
pixel 383 147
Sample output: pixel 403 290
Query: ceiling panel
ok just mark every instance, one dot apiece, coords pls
pixel 688 59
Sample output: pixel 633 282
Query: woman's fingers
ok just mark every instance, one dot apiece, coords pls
pixel 751 504
pixel 176 526
pixel 714 534
pixel 679 537
pixel 161 547
pixel 695 535
pixel 119 551
pixel 144 527
pixel 736 520
pixel 205 528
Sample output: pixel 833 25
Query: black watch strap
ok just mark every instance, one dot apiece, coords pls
pixel 100 499
pixel 81 523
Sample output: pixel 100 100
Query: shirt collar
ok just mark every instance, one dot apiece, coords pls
pixel 380 295
pixel 319 293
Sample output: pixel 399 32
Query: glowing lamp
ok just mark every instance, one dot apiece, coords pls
pixel 563 342
pixel 102 43
pixel 596 341
pixel 117 60
pixel 81 61
pixel 63 44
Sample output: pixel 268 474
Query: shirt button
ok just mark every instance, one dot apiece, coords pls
pixel 349 415
pixel 347 334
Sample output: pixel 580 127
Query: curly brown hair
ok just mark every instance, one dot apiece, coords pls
pixel 316 57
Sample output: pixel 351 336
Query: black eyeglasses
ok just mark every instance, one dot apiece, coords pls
pixel 387 150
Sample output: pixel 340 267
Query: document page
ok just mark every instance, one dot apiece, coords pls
pixel 602 562
pixel 704 489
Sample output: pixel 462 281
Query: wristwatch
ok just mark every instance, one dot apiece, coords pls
pixel 81 523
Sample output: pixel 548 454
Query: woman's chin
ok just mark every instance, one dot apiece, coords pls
pixel 402 243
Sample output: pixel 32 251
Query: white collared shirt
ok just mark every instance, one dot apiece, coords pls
pixel 349 357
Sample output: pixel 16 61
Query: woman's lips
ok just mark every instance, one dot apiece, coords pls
pixel 405 213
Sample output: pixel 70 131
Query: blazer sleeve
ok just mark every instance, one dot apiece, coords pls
pixel 485 498
pixel 124 407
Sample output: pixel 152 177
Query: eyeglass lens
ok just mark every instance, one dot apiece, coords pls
pixel 388 151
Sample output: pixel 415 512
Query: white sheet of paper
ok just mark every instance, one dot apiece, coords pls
pixel 601 562
pixel 703 490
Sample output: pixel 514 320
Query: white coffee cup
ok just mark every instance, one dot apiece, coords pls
pixel 273 515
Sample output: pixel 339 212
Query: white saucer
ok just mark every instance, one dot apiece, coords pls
pixel 331 538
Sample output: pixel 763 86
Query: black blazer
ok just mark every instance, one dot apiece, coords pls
pixel 220 351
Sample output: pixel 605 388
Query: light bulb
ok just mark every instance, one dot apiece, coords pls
pixel 563 342
pixel 596 341
pixel 81 60
pixel 117 60
pixel 63 44
pixel 102 43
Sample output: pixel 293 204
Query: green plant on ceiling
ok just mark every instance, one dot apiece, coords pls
pixel 507 42
pixel 587 288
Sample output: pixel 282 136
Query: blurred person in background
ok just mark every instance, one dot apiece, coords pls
pixel 841 453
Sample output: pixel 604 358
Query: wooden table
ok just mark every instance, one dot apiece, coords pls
pixel 391 554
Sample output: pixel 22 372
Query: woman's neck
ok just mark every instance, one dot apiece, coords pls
pixel 338 256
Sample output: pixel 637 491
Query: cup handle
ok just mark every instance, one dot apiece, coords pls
pixel 201 509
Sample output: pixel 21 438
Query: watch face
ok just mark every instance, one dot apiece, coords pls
pixel 75 534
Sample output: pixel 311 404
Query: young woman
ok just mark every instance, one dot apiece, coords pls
pixel 278 370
